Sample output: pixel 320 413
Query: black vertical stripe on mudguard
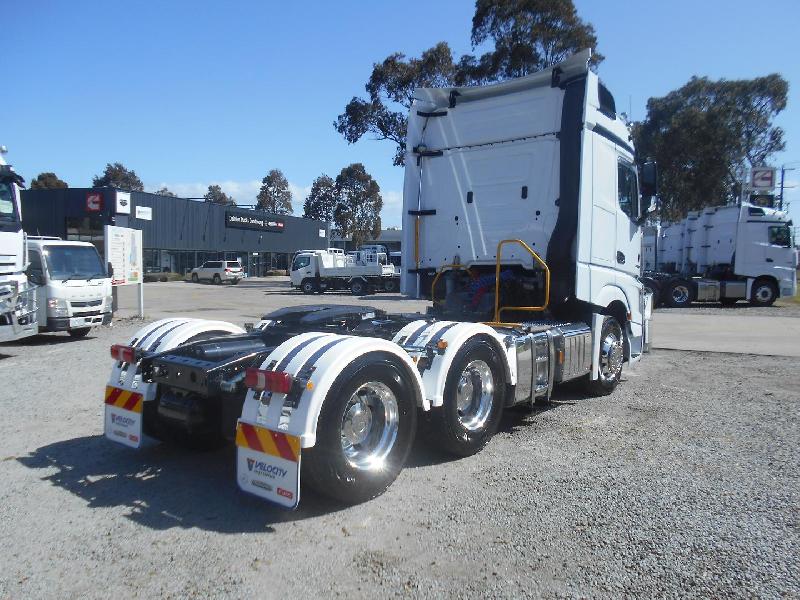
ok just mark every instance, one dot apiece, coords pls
pixel 293 397
pixel 294 352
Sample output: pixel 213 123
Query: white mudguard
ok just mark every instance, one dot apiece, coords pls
pixel 279 421
pixel 126 393
pixel 439 342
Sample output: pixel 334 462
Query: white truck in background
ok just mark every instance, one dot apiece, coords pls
pixel 522 221
pixel 362 272
pixel 17 298
pixel 73 289
pixel 721 254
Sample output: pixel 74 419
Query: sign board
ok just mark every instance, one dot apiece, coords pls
pixel 762 178
pixel 248 219
pixel 123 203
pixel 144 212
pixel 94 201
pixel 124 251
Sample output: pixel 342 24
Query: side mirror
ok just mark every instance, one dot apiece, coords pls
pixel 649 180
pixel 34 277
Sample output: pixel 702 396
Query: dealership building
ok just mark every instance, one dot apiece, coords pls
pixel 177 233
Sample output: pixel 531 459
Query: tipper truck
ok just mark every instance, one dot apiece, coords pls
pixel 362 271
pixel 522 223
pixel 721 254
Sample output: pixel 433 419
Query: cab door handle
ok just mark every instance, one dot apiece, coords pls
pixel 770 260
pixel 620 258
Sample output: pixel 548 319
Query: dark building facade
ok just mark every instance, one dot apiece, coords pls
pixel 177 233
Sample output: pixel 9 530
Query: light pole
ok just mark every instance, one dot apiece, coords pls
pixel 784 168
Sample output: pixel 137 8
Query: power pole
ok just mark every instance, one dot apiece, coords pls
pixel 783 174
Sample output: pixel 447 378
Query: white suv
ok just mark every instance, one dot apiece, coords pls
pixel 218 271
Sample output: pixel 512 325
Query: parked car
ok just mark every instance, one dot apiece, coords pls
pixel 218 271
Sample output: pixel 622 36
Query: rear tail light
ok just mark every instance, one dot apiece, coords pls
pixel 124 354
pixel 272 381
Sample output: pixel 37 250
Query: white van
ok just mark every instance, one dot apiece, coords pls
pixel 74 289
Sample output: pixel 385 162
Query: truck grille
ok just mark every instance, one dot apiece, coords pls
pixel 85 304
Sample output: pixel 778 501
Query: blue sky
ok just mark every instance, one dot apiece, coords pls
pixel 189 93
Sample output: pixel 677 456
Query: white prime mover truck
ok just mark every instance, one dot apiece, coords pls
pixel 362 272
pixel 17 297
pixel 721 254
pixel 522 222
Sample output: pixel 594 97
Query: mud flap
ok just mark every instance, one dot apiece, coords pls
pixel 268 464
pixel 123 423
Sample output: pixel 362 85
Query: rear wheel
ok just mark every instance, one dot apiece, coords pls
pixel 195 278
pixel 308 286
pixel 678 294
pixel 358 287
pixel 473 401
pixel 764 293
pixel 390 286
pixel 79 332
pixel 612 355
pixel 364 433
pixel 217 279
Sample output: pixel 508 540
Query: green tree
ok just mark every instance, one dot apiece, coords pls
pixel 706 135
pixel 322 199
pixel 217 196
pixel 118 176
pixel 359 203
pixel 164 191
pixel 48 181
pixel 275 196
pixel 528 35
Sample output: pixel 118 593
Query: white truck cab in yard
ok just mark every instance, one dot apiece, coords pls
pixel 522 222
pixel 721 254
pixel 73 289
pixel 17 299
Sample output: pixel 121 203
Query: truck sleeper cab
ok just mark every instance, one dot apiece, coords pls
pixel 334 392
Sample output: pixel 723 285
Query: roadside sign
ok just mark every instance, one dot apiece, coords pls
pixel 123 248
pixel 762 178
pixel 144 212
pixel 94 201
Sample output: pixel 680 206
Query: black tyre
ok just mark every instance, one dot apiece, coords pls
pixel 678 294
pixel 728 301
pixel 364 432
pixel 358 287
pixel 79 332
pixel 763 293
pixel 653 287
pixel 390 285
pixel 195 278
pixel 308 286
pixel 217 279
pixel 473 401
pixel 235 281
pixel 612 355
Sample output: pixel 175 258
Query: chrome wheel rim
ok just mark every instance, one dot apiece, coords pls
pixel 611 354
pixel 764 293
pixel 474 395
pixel 680 294
pixel 369 426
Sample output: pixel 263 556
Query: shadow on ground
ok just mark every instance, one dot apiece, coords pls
pixel 47 339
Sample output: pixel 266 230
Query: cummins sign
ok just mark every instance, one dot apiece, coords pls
pixel 246 219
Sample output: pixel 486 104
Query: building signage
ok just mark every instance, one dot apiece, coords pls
pixel 762 178
pixel 123 248
pixel 123 203
pixel 144 212
pixel 94 201
pixel 246 219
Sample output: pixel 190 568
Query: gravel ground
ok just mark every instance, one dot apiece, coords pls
pixel 683 483
pixel 782 308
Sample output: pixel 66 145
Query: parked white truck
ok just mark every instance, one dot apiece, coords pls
pixel 17 299
pixel 721 254
pixel 362 272
pixel 73 289
pixel 522 221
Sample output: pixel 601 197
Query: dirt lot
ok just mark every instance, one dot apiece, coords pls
pixel 685 482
